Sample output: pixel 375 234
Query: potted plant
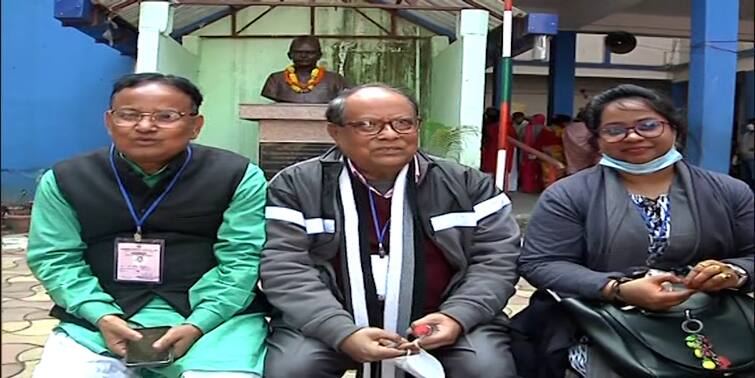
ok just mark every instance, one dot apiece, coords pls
pixel 444 141
pixel 16 217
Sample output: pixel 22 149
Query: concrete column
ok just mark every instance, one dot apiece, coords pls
pixel 561 70
pixel 155 17
pixel 472 31
pixel 712 79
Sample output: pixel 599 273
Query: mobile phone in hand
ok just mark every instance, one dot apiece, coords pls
pixel 142 354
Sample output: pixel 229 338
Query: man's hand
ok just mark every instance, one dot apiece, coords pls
pixel 180 338
pixel 445 331
pixel 711 276
pixel 649 292
pixel 117 334
pixel 368 345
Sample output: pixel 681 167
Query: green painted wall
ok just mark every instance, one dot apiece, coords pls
pixel 445 80
pixel 233 70
pixel 218 80
pixel 175 59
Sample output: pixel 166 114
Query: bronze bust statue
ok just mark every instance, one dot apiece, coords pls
pixel 304 81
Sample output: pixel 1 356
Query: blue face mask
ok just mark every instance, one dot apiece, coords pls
pixel 671 157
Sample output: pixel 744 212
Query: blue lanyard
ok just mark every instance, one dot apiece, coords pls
pixel 375 222
pixel 151 209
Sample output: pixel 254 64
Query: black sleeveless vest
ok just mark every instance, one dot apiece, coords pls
pixel 187 219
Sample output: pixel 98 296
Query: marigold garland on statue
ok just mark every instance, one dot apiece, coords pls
pixel 315 77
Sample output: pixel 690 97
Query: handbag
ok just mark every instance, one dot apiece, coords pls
pixel 641 343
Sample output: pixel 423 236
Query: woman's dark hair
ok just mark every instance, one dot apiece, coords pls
pixel 580 117
pixel 178 82
pixel 337 106
pixel 654 100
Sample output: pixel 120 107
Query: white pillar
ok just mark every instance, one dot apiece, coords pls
pixel 472 32
pixel 155 17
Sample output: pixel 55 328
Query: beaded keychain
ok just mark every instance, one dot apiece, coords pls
pixel 701 345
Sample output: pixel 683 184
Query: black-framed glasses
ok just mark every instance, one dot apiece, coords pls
pixel 161 118
pixel 646 128
pixel 371 127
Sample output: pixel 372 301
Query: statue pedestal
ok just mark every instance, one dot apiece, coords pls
pixel 288 133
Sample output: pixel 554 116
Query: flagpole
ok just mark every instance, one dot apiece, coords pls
pixel 501 176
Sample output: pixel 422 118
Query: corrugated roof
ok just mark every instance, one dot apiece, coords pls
pixel 186 15
pixel 130 13
pixel 573 14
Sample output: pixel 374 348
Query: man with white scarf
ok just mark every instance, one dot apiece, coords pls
pixel 374 239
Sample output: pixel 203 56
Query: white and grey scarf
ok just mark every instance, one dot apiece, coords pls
pixel 400 273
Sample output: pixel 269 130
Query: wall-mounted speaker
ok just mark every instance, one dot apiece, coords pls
pixel 620 42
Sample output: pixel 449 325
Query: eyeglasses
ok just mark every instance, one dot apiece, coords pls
pixel 648 128
pixel 161 118
pixel 372 127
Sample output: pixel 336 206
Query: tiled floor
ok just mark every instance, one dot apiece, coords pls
pixel 24 311
pixel 26 324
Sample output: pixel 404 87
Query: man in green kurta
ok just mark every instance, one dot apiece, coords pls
pixel 152 231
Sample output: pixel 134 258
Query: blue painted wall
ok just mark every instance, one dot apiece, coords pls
pixel 55 87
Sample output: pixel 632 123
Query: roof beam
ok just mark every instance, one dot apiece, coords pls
pixel 318 36
pixel 373 21
pixel 255 19
pixel 323 5
pixel 416 19
pixel 194 26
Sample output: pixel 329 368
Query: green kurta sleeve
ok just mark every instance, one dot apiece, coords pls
pixel 56 256
pixel 228 288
